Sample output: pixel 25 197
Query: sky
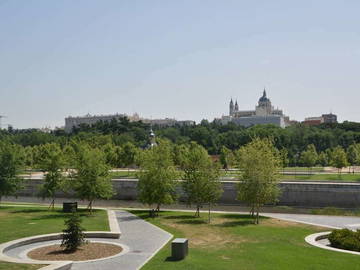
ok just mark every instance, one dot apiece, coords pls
pixel 178 59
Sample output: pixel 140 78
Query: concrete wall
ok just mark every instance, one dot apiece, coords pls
pixel 307 194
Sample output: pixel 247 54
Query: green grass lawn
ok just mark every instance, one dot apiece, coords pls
pixel 233 242
pixel 18 222
pixel 324 177
pixel 123 174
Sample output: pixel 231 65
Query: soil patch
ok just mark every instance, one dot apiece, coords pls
pixel 89 251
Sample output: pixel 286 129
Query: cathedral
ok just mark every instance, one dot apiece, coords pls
pixel 264 113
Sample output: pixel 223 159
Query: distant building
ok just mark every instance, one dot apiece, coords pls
pixel 264 113
pixel 71 122
pixel 325 118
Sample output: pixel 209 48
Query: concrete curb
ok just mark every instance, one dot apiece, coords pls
pixel 56 265
pixel 313 239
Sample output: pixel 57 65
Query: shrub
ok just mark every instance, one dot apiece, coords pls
pixel 73 236
pixel 345 239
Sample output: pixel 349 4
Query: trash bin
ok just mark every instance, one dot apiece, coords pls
pixel 179 248
pixel 69 207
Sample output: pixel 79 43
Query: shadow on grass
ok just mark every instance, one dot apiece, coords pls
pixel 180 217
pixel 236 223
pixel 171 259
pixel 193 221
pixel 30 210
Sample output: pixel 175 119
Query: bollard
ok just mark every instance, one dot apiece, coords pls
pixel 179 248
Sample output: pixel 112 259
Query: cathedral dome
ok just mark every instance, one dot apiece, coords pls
pixel 264 98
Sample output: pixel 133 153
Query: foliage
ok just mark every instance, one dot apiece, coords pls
pixel 260 163
pixel 201 178
pixel 91 179
pixel 11 162
pixel 309 157
pixel 73 236
pixel 52 163
pixel 226 157
pixel 345 239
pixel 353 154
pixel 157 176
pixel 338 158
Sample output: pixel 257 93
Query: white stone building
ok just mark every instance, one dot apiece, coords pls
pixel 264 113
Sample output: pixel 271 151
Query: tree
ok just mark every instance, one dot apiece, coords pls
pixel 284 158
pixel 201 178
pixel 226 157
pixel 309 157
pixel 127 154
pixel 52 163
pixel 323 159
pixel 157 177
pixel 11 163
pixel 91 179
pixel 338 158
pixel 353 155
pixel 73 236
pixel 260 163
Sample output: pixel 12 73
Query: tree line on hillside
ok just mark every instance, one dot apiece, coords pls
pixel 83 169
pixel 212 136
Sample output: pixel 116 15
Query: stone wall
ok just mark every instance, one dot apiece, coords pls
pixel 306 194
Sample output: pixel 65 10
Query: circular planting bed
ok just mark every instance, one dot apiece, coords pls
pixel 89 251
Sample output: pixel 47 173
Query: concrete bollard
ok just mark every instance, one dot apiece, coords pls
pixel 179 248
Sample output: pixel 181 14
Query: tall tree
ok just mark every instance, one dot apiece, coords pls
pixel 52 164
pixel 353 155
pixel 91 179
pixel 259 162
pixel 226 157
pixel 201 178
pixel 309 157
pixel 338 158
pixel 11 163
pixel 157 176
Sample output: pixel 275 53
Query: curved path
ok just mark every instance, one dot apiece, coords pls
pixel 141 241
pixel 142 238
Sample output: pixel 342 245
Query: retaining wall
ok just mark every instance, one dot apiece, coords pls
pixel 307 194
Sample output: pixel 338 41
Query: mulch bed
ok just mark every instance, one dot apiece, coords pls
pixel 89 251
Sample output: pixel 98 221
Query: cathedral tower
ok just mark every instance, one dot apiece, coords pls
pixel 231 108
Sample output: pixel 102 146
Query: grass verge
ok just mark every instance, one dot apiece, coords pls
pixel 232 242
pixel 18 222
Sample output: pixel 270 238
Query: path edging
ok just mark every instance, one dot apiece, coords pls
pixel 57 265
pixel 312 239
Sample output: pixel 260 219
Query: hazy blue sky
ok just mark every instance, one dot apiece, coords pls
pixel 181 59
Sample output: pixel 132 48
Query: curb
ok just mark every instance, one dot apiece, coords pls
pixel 57 265
pixel 313 239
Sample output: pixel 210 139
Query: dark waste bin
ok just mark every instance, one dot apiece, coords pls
pixel 179 248
pixel 69 207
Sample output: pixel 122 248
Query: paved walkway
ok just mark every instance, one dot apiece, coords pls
pixel 319 220
pixel 142 239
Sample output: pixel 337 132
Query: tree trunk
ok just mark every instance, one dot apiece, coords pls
pixel 197 213
pixel 90 206
pixel 209 212
pixel 51 206
pixel 252 211
pixel 257 215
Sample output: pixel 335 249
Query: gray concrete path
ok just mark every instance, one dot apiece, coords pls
pixel 142 238
pixel 319 220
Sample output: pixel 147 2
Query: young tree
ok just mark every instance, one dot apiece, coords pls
pixel 309 157
pixel 338 158
pixel 226 157
pixel 52 163
pixel 353 155
pixel 91 179
pixel 73 236
pixel 323 159
pixel 157 176
pixel 260 163
pixel 201 178
pixel 11 163
pixel 127 154
pixel 284 157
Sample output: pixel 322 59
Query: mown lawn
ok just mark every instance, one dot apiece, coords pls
pixel 18 222
pixel 233 242
pixel 325 177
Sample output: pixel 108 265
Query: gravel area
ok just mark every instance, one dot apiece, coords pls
pixel 89 251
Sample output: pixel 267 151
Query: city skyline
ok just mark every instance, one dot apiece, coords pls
pixel 177 60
